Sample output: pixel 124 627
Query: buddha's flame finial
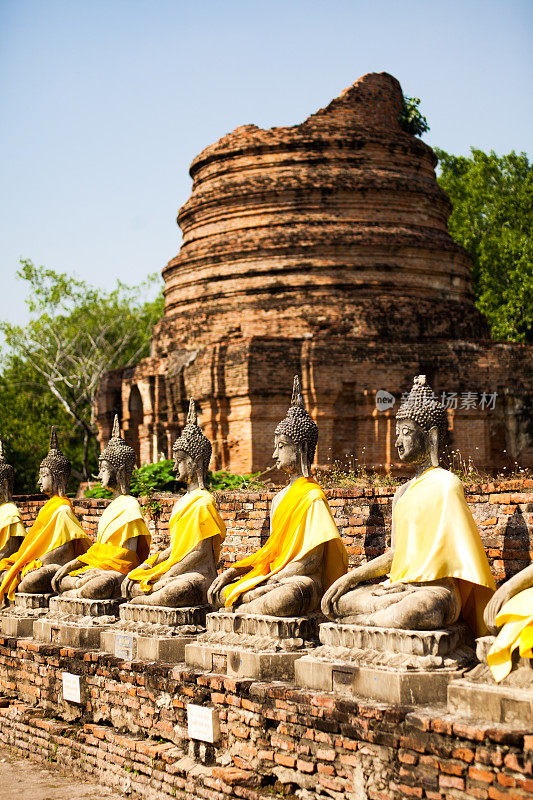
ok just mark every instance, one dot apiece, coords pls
pixel 420 379
pixel 2 456
pixel 192 417
pixel 297 399
pixel 54 444
pixel 116 428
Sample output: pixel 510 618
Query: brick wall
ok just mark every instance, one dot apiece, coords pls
pixel 503 512
pixel 130 731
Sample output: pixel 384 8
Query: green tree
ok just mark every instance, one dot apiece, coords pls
pixel 411 118
pixel 76 332
pixel 492 218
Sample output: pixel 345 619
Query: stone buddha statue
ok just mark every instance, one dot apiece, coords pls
pixel 55 537
pixel 437 566
pixel 123 540
pixel 12 531
pixel 509 613
pixel 182 573
pixel 304 553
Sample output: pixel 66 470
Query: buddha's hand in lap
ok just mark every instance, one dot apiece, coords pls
pixel 336 591
pixel 127 585
pixel 58 577
pixel 214 593
pixel 493 607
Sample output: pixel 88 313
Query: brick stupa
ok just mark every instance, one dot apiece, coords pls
pixel 320 249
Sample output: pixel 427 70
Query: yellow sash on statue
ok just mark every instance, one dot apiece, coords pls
pixel 56 524
pixel 10 523
pixel 301 522
pixel 516 616
pixel 122 520
pixel 194 518
pixel 436 537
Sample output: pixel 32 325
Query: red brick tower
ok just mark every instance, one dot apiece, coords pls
pixel 320 249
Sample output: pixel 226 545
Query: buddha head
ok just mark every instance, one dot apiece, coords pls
pixel 7 477
pixel 54 471
pixel 192 451
pixel 421 425
pixel 296 437
pixel 116 462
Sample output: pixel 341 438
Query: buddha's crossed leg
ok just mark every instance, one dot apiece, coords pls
pixel 95 584
pixel 177 591
pixel 39 581
pixel 294 596
pixel 420 606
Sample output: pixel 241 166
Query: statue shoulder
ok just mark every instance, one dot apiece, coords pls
pixel 448 479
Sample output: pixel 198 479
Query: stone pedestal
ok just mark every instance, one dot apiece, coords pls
pixel 253 646
pixel 23 611
pixel 154 633
pixel 478 695
pixel 386 664
pixel 75 622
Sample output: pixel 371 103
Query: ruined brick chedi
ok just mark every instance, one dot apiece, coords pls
pixel 320 249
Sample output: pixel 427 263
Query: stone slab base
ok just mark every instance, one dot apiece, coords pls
pixel 51 631
pixel 253 646
pixel 478 695
pixel 154 633
pixel 238 662
pixel 130 646
pixel 379 683
pixel 76 622
pixel 386 664
pixel 503 704
pixel 18 619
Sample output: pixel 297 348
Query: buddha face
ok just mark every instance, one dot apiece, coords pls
pixel 411 441
pixel 184 466
pixel 106 474
pixel 46 481
pixel 286 454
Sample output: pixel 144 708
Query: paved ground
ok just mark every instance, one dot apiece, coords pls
pixel 26 779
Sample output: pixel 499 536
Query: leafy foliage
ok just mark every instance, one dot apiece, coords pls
pixel 159 477
pixel 51 367
pixel 492 219
pixel 411 118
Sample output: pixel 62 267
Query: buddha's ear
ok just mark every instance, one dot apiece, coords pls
pixel 122 480
pixel 304 461
pixel 433 440
pixel 200 473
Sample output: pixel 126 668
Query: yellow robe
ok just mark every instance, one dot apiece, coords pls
pixel 122 520
pixel 194 518
pixel 56 524
pixel 516 616
pixel 10 524
pixel 301 521
pixel 436 537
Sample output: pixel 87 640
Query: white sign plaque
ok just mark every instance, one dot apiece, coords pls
pixel 71 687
pixel 124 645
pixel 203 723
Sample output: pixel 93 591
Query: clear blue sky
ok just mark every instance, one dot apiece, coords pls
pixel 105 103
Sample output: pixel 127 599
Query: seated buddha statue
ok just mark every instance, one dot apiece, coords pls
pixel 509 613
pixel 55 537
pixel 304 553
pixel 437 567
pixel 122 541
pixel 182 573
pixel 12 531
